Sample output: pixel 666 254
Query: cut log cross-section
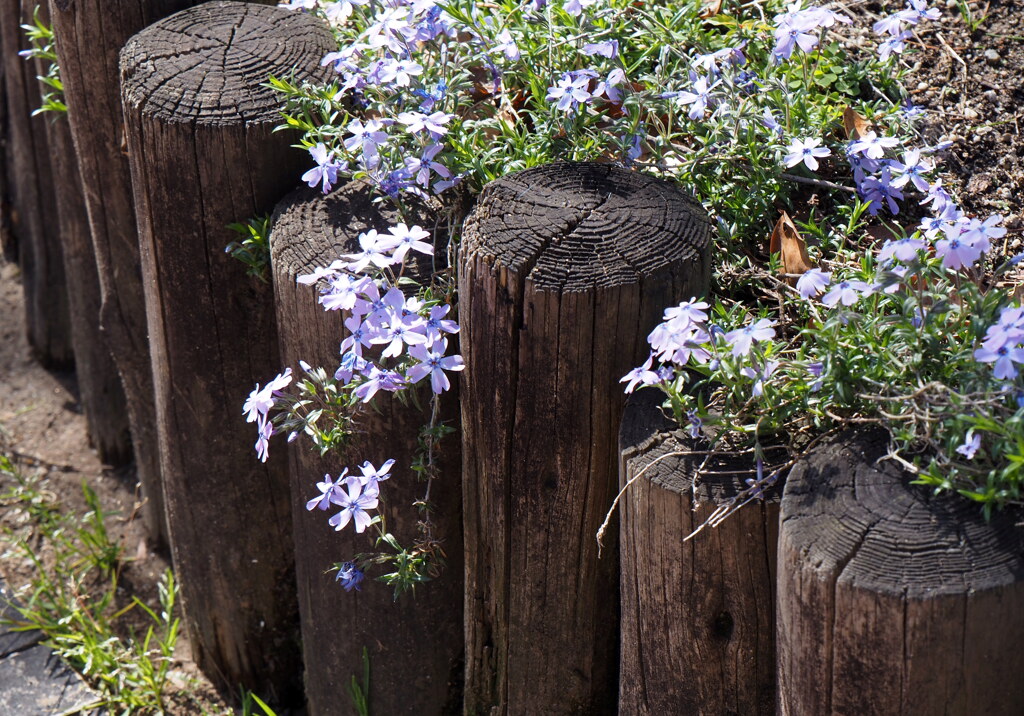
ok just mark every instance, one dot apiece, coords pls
pixel 891 600
pixel 414 644
pixel 564 269
pixel 203 154
pixel 698 617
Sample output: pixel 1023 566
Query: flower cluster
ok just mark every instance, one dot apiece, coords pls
pixel 355 494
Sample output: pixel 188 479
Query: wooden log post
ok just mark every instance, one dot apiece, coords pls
pixel 30 186
pixel 415 644
pixel 8 243
pixel 698 617
pixel 203 154
pixel 564 269
pixel 890 600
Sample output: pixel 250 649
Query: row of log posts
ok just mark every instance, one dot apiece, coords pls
pixel 564 269
pixel 199 124
pixel 29 184
pixel 414 644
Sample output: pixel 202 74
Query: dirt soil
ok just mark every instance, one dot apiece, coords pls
pixel 43 430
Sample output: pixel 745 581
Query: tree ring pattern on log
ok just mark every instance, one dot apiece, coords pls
pixel 209 64
pixel 849 514
pixel 578 226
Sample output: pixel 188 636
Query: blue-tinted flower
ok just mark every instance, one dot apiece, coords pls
pixel 266 431
pixel 326 170
pixel 1003 359
pixel 355 501
pixel 433 123
pixel 912 169
pixel 893 45
pixel 872 145
pixel 571 90
pixel 742 339
pixel 507 45
pixel 437 324
pixel 813 282
pixel 350 577
pixel 372 475
pixel 695 423
pixel 956 254
pixel 374 247
pixel 699 99
pixel 327 488
pixel 846 292
pixel 434 363
pixel 409 238
pixel 806 151
pixel 904 250
pixel 642 376
pixel 260 401
pixel 607 48
pixel 970 445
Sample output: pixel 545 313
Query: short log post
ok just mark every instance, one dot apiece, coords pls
pixel 698 617
pixel 564 269
pixel 30 186
pixel 199 122
pixel 890 600
pixel 414 644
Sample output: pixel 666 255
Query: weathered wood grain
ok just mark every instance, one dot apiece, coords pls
pixel 891 600
pixel 203 154
pixel 564 269
pixel 31 216
pixel 698 618
pixel 414 644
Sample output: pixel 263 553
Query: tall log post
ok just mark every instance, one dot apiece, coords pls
pixel 30 186
pixel 8 244
pixel 414 644
pixel 89 35
pixel 203 154
pixel 890 600
pixel 99 385
pixel 564 269
pixel 698 617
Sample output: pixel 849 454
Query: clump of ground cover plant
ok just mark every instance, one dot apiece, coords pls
pixel 756 107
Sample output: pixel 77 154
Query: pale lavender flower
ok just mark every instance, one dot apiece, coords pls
pixel 373 475
pixel 893 45
pixel 956 254
pixel 355 501
pixel 434 363
pixel 400 73
pixel 265 430
pixel 699 99
pixel 759 376
pixel 367 137
pixel 813 282
pixel 695 423
pixel 373 247
pixel 846 292
pixel 434 123
pixel 360 335
pixel 437 324
pixel 1003 359
pixel 980 233
pixel 806 151
pixel 260 402
pixel 575 7
pixel 397 336
pixel 507 45
pixel 912 169
pixel 904 250
pixel 743 339
pixel 326 170
pixel 343 291
pixel 687 313
pixel 327 489
pixel 970 445
pixel 320 272
pixel 607 48
pixel 873 146
pixel 376 379
pixel 571 90
pixel 642 375
pixel 406 238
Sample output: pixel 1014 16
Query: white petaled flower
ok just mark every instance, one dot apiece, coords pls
pixel 807 151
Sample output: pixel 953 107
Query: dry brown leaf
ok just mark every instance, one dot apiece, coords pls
pixel 786 240
pixel 856 126
pixel 711 9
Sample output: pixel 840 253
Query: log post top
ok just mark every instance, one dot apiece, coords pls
pixel 209 64
pixel 860 520
pixel 579 226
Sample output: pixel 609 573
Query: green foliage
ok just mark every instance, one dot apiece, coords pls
pixel 40 35
pixel 360 692
pixel 253 249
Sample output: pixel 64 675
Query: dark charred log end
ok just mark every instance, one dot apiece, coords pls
pixel 581 226
pixel 209 64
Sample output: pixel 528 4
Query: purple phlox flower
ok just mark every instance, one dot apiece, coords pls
pixel 609 87
pixel 759 376
pixel 355 500
pixel 391 29
pixel 260 402
pixel 571 90
pixel 373 247
pixel 712 61
pixel 979 233
pixel 575 7
pixel 912 169
pixel 430 98
pixel 397 336
pixel 846 292
pixel 873 146
pixel 326 170
pixel 344 59
pixel 327 272
pixel 437 324
pixel 828 18
pixel 406 238
pixel 880 190
pixel 371 301
pixel 890 278
pixel 507 45
pixel 1008 329
pixel 376 379
pixel 372 475
pixel 434 123
pixel 698 99
pixel 816 369
pixel 399 72
pixel 904 250
pixel 365 137
pixel 795 29
pixel 434 362
pixel 813 282
pixel 327 489
pixel 806 151
pixel 695 423
pixel 955 253
pixel 635 150
pixel 341 10
pixel 932 226
pixel 606 48
pixel 908 109
pixel 756 485
pixel 678 340
pixel 743 339
pixel 862 165
pixel 351 364
pixel 893 45
pixel 265 431
pixel 360 336
pixel 771 123
pixel 686 314
pixel 343 292
pixel 350 577
pixel 1003 357
pixel 388 309
pixel 290 5
pixel 642 375
pixel 890 25
pixel 918 11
